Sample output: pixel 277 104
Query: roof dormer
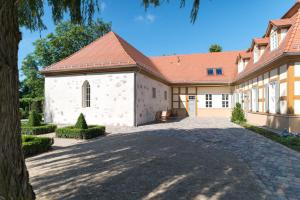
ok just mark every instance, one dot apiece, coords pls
pixel 242 60
pixel 277 31
pixel 258 47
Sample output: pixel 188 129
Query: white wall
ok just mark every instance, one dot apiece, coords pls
pixel 216 96
pixel 146 105
pixel 112 99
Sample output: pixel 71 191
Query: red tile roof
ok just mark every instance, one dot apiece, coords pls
pixel 192 68
pixel 108 51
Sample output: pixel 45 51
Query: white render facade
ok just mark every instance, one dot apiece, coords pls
pixel 116 98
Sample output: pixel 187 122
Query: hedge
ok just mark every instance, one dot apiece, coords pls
pixel 72 132
pixel 37 130
pixel 32 145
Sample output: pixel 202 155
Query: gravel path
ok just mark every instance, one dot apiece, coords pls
pixel 194 158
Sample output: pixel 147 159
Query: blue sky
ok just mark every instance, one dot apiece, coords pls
pixel 167 29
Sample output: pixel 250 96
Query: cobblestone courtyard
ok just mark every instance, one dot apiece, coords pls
pixel 194 158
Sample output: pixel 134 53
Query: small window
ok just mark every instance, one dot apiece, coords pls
pixel 256 54
pixel 166 95
pixel 154 93
pixel 208 100
pixel 210 71
pixel 225 101
pixel 274 39
pixel 219 71
pixel 86 94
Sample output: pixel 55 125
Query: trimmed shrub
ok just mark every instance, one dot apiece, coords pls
pixel 73 132
pixel 81 123
pixel 34 119
pixel 34 145
pixel 238 114
pixel 37 130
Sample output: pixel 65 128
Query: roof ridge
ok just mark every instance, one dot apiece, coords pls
pixel 75 53
pixel 123 48
pixel 204 53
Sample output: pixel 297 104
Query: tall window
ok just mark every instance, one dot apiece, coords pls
pixel 208 100
pixel 166 95
pixel 274 102
pixel 274 39
pixel 225 102
pixel 254 97
pixel 86 94
pixel 153 93
pixel 256 54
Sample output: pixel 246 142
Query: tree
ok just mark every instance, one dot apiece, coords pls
pixel 67 39
pixel 14 181
pixel 33 84
pixel 215 48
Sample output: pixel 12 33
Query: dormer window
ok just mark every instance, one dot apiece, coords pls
pixel 219 71
pixel 274 39
pixel 256 53
pixel 210 71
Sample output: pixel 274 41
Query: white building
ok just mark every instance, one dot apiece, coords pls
pixel 111 82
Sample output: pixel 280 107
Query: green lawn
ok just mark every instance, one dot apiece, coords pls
pixel 292 142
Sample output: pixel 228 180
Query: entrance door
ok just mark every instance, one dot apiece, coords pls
pixel 192 106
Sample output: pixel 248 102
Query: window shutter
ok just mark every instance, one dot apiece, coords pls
pixel 266 98
pixel 277 97
pixel 256 100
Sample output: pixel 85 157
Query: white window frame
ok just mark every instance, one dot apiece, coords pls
pixel 225 100
pixel 86 94
pixel 274 43
pixel 208 100
pixel 274 99
pixel 266 98
pixel 254 99
pixel 256 54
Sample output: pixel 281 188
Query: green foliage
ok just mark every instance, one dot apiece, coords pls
pixel 73 132
pixel 81 123
pixel 292 142
pixel 37 130
pixel 30 13
pixel 34 145
pixel 215 48
pixel 238 114
pixel 23 113
pixel 66 40
pixel 33 83
pixel 34 119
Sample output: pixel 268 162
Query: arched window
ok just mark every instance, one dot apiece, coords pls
pixel 86 94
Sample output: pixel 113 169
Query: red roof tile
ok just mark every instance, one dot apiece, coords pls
pixel 108 51
pixel 192 68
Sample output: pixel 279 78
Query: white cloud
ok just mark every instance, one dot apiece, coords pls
pixel 148 18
